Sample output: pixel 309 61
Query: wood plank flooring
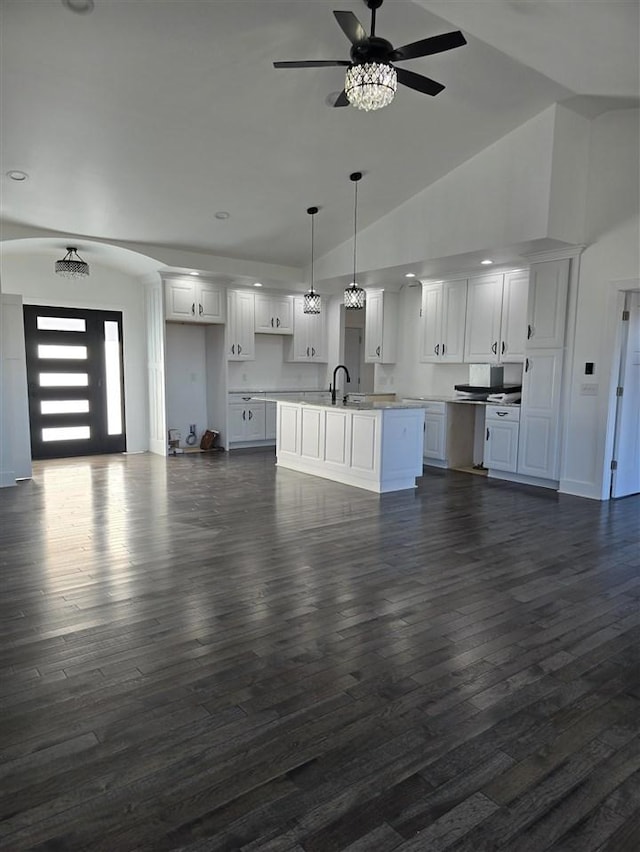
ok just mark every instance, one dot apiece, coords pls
pixel 209 654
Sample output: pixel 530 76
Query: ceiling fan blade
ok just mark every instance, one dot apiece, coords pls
pixel 350 26
pixel 418 82
pixel 312 63
pixel 428 46
pixel 342 99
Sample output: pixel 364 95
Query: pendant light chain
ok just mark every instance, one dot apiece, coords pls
pixel 354 296
pixel 311 303
pixel 355 231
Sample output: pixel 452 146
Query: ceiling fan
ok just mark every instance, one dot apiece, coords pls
pixel 371 79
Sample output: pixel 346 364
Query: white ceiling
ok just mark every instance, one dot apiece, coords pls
pixel 140 120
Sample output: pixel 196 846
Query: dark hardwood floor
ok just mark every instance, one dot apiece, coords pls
pixel 207 653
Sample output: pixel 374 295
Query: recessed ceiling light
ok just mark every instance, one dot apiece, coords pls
pixel 486 262
pixel 257 284
pixel 194 273
pixel 79 6
pixel 15 174
pixel 222 214
pixel 410 275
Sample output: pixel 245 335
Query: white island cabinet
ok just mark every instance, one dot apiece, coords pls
pixel 377 446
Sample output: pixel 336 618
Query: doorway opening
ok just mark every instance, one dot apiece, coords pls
pixel 75 381
pixel 362 373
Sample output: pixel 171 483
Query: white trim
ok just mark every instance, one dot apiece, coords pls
pixel 613 335
pixel 555 254
pixel 521 479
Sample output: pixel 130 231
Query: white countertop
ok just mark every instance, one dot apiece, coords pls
pixel 350 406
pixel 461 400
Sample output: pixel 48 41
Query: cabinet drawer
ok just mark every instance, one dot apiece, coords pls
pixel 502 412
pixel 243 398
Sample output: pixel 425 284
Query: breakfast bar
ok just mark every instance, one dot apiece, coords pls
pixel 372 445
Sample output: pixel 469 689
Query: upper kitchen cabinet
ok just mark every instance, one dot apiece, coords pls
pixel 547 304
pixel 309 341
pixel 381 322
pixel 240 340
pixel 188 300
pixel 513 325
pixel 444 307
pixel 496 318
pixel 273 314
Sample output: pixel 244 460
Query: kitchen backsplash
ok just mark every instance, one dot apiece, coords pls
pixel 270 371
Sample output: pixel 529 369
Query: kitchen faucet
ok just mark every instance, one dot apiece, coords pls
pixel 332 388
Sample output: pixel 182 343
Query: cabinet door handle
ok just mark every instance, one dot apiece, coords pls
pixel 494 348
pixel 277 322
pixel 271 322
pixel 377 350
pixel 307 351
pixel 526 365
pixel 239 349
pixel 200 309
pixel 487 435
pixel 233 349
pixel 313 351
pixel 529 332
pixel 244 415
pixel 503 347
pixel 193 309
pixel 502 413
pixel 250 414
pixel 443 348
pixel 436 348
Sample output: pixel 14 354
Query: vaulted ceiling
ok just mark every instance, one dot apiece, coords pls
pixel 140 120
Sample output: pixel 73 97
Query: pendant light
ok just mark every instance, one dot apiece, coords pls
pixel 354 296
pixel 72 265
pixel 311 298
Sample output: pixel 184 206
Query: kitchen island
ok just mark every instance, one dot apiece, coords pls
pixel 374 445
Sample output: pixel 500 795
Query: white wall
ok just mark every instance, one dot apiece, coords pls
pixel 498 198
pixel 612 253
pixel 270 372
pixel 186 378
pixel 32 276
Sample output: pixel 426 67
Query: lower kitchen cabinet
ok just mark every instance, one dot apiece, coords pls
pixel 435 432
pixel 248 421
pixel 501 438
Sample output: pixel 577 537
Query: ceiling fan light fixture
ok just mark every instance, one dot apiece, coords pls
pixel 370 85
pixel 72 265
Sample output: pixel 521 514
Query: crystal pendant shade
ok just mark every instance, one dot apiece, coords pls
pixel 370 85
pixel 354 298
pixel 72 265
pixel 311 303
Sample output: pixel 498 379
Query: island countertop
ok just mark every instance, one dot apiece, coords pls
pixel 349 406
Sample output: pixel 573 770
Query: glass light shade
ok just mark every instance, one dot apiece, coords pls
pixel 370 85
pixel 311 303
pixel 354 297
pixel 72 265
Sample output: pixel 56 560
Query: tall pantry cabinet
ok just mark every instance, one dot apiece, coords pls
pixel 539 436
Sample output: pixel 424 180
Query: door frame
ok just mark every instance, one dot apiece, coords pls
pixel 613 344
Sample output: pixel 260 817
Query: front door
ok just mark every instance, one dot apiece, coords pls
pixel 75 378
